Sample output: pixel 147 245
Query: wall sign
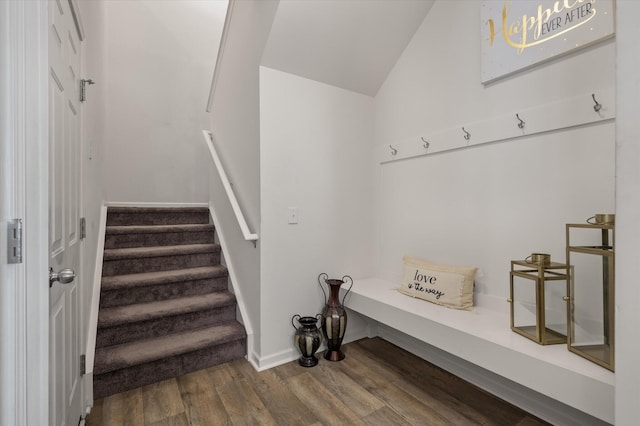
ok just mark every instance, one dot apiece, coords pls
pixel 517 34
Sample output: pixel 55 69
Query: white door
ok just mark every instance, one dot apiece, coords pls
pixel 64 215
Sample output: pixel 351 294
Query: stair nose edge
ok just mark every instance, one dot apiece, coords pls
pixel 148 279
pixel 159 251
pixel 158 348
pixel 135 313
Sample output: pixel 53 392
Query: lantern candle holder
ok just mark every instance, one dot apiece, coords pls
pixel 591 314
pixel 537 290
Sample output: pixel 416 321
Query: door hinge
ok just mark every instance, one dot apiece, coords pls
pixel 83 88
pixel 14 241
pixel 83 364
pixel 83 228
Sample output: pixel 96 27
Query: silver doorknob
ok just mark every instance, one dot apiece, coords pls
pixel 65 276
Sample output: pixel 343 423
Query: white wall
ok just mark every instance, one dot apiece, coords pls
pixel 235 122
pixel 235 111
pixel 628 212
pixel 315 154
pixel 94 183
pixel 488 204
pixel 94 125
pixel 160 59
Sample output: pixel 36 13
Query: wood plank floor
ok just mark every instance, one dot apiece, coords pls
pixel 376 384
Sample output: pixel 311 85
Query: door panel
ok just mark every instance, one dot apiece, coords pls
pixel 73 343
pixel 64 214
pixel 71 170
pixel 56 151
pixel 56 357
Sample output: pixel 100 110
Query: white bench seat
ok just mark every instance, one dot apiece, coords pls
pixel 483 337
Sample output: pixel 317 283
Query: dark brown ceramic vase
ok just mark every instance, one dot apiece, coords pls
pixel 334 316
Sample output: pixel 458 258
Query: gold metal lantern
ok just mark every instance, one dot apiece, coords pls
pixel 591 252
pixel 538 308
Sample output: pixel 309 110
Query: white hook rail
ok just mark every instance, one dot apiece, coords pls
pixel 565 113
pixel 248 235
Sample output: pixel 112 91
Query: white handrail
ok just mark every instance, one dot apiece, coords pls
pixel 208 136
pixel 223 43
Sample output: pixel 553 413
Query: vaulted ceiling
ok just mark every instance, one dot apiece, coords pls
pixel 352 44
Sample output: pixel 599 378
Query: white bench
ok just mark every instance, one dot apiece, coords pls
pixel 483 337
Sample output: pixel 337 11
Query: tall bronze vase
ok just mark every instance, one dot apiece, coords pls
pixel 334 316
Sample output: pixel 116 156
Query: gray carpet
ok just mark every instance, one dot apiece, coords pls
pixel 165 308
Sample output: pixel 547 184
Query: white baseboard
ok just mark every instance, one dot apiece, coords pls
pixel 291 354
pixel 95 294
pixel 88 394
pixel 276 359
pixel 254 360
pixel 240 300
pixel 531 401
pixel 153 204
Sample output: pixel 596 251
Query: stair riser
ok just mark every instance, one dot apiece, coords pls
pixel 129 378
pixel 162 218
pixel 157 239
pixel 154 293
pixel 131 332
pixel 163 263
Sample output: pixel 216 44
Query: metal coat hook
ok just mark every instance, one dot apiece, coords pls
pixel 393 150
pixel 467 135
pixel 426 143
pixel 521 123
pixel 598 106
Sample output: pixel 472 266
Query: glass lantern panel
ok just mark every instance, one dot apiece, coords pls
pixel 591 237
pixel 524 305
pixel 589 314
pixel 555 307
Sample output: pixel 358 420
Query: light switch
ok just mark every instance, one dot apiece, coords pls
pixel 293 215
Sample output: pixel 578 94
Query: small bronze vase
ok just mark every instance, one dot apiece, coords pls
pixel 334 316
pixel 307 339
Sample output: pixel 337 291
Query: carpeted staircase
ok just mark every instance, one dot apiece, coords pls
pixel 165 309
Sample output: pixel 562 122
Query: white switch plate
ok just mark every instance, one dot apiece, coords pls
pixel 292 217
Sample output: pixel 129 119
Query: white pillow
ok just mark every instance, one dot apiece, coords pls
pixel 446 285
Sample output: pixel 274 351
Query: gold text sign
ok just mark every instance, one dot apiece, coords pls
pixel 517 34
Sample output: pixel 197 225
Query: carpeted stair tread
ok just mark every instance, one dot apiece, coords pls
pixel 144 279
pixel 158 251
pixel 156 216
pixel 158 210
pixel 111 358
pixel 165 304
pixel 125 236
pixel 156 229
pixel 111 317
pixel 136 376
